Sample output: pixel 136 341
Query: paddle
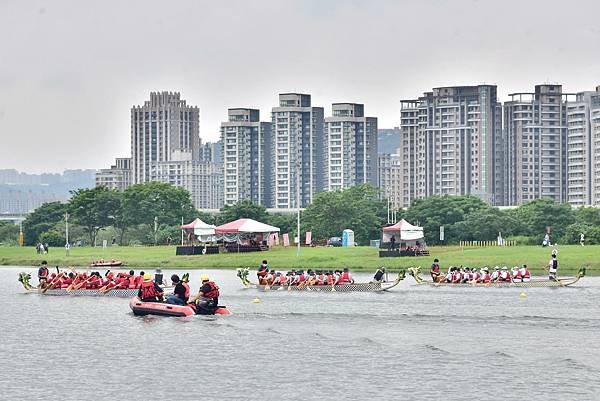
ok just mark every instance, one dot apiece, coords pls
pixel 52 283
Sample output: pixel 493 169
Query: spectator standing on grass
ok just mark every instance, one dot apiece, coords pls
pixel 582 239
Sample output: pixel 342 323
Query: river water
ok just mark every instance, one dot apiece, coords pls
pixel 410 343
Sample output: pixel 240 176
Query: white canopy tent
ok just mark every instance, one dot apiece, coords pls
pixel 205 232
pixel 403 233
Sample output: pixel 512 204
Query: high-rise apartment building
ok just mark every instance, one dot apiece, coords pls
pixel 390 178
pixel 451 143
pixel 163 125
pixel 351 146
pixel 298 151
pixel 580 150
pixel 118 176
pixel 595 154
pixel 535 131
pixel 203 180
pixel 246 162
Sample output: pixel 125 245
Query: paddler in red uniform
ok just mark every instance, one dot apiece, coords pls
pixel 149 290
pixel 345 277
pixel 207 299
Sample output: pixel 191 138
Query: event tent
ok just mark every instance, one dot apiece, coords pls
pixel 200 228
pixel 403 231
pixel 245 226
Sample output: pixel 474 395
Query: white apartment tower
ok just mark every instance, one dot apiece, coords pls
pixel 351 147
pixel 246 165
pixel 118 176
pixel 451 144
pixel 297 151
pixel 535 131
pixel 165 124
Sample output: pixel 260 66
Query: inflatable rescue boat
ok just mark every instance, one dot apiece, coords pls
pixel 140 308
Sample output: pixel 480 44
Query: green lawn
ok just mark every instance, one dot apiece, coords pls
pixel 571 257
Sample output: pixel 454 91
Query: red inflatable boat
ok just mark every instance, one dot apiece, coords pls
pixel 140 308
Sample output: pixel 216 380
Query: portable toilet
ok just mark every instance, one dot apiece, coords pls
pixel 348 238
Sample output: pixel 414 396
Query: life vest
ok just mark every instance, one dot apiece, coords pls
pixel 262 271
pixel 320 279
pixel 213 292
pixel 486 278
pixel 476 276
pixel 148 290
pixel 456 276
pixel 330 279
pixel 282 280
pixel 344 278
pixel 435 268
pixel 187 290
pixel 518 274
pixel 524 272
pixel 43 272
pixel 504 276
pixel 554 264
pixel 301 278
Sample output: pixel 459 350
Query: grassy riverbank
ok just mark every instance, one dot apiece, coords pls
pixel 571 257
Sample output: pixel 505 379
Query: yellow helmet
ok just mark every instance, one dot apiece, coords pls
pixel 147 277
pixel 204 278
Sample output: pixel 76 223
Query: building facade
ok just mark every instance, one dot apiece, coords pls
pixel 203 180
pixel 451 144
pixel 163 125
pixel 595 157
pixel 246 166
pixel 535 131
pixel 118 176
pixel 297 151
pixel 389 179
pixel 351 146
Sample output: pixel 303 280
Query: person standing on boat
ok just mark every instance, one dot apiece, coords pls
pixel 150 291
pixel 552 268
pixel 207 298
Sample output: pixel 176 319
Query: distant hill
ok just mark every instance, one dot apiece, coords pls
pixel 388 140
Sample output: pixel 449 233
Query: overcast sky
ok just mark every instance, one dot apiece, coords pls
pixel 71 70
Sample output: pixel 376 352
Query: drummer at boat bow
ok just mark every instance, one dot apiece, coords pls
pixel 207 298
pixel 435 270
pixel 149 290
pixel 43 273
pixel 263 270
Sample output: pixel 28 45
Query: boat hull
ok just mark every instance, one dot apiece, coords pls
pixel 140 308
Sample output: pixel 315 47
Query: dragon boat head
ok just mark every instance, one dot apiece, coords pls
pixel 24 279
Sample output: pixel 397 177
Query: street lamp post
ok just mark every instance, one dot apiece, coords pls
pixel 67 246
pixel 155 229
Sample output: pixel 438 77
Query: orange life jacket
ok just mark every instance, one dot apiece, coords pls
pixel 344 278
pixel 213 292
pixel 330 279
pixel 148 290
pixel 187 290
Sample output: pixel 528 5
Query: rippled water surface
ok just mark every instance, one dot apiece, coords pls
pixel 410 343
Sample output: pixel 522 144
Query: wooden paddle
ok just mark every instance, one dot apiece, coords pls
pixel 53 282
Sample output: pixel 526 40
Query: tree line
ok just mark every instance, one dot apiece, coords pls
pixel 152 213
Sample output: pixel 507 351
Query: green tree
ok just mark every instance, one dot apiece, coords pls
pixel 95 208
pixel 436 211
pixel 287 223
pixel 536 215
pixel 142 203
pixel 589 216
pixel 483 225
pixel 358 208
pixel 9 233
pixel 244 209
pixel 42 219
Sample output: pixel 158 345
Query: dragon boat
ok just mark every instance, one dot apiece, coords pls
pixel 141 308
pixel 25 278
pixel 533 283
pixel 355 287
pixel 112 263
